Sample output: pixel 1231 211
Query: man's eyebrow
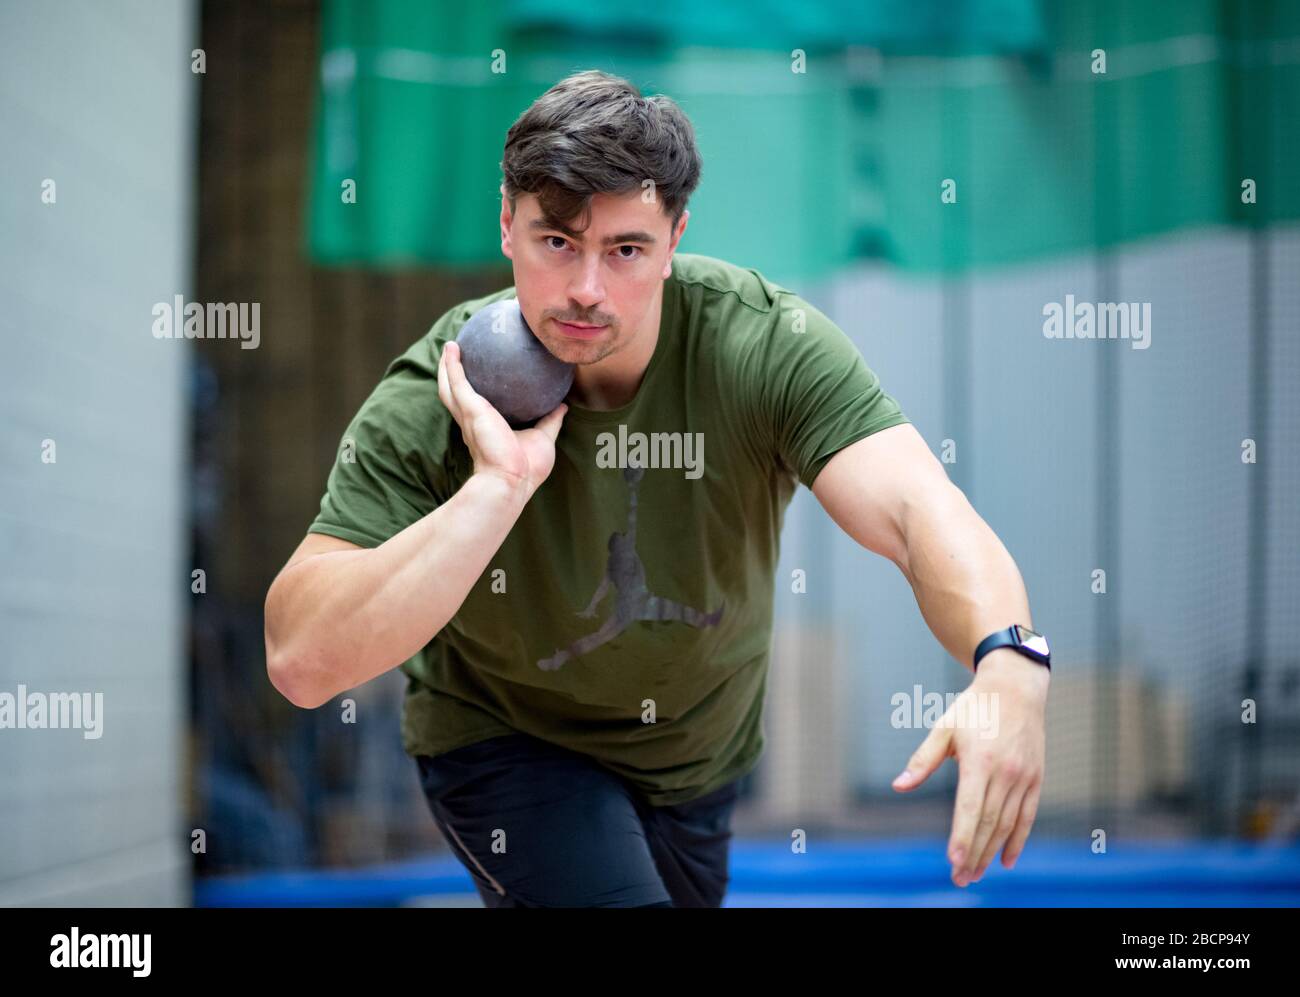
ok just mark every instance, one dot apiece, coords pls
pixel 610 240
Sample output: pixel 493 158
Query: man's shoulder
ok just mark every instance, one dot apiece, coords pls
pixel 718 277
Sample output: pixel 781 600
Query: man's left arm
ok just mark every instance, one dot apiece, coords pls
pixel 889 493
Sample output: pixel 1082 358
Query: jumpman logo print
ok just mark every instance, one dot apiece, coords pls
pixel 632 600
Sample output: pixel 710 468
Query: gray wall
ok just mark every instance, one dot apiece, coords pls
pixel 94 546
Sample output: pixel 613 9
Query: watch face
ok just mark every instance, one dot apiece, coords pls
pixel 1032 641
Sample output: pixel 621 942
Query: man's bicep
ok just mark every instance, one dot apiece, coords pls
pixel 867 487
pixel 313 544
pixel 387 472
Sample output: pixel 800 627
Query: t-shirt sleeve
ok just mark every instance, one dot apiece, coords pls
pixel 811 391
pixel 390 468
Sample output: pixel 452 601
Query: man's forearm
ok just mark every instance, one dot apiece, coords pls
pixel 338 619
pixel 965 581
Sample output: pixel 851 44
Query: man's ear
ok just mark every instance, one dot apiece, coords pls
pixel 506 248
pixel 672 245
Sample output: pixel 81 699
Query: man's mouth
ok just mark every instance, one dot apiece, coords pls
pixel 578 328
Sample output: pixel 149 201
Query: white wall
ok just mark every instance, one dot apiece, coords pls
pixel 94 547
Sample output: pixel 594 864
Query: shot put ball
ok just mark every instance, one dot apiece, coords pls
pixel 508 365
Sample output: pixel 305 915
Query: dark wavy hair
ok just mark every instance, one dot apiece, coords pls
pixel 593 133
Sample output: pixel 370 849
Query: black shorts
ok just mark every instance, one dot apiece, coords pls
pixel 538 825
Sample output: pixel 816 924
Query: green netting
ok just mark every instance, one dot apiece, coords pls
pixel 805 172
pixel 1052 158
pixel 780 25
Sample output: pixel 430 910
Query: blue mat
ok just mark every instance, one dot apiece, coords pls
pixel 903 873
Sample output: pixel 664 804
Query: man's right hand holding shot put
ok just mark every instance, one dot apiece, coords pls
pixel 339 614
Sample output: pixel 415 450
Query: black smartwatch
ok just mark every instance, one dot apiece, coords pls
pixel 1027 642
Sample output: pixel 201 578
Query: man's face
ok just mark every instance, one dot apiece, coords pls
pixel 608 276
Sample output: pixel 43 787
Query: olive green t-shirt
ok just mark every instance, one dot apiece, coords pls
pixel 628 614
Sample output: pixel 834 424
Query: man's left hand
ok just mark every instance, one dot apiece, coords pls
pixel 1000 766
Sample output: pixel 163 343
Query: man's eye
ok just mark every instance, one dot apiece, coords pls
pixel 635 249
pixel 557 238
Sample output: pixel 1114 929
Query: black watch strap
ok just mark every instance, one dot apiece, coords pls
pixel 1027 642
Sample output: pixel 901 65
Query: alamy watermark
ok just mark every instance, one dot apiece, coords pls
pixel 58 710
pixel 681 450
pixel 968 710
pixel 1103 320
pixel 176 319
pixel 101 951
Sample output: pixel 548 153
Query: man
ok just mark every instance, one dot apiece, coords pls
pixel 583 608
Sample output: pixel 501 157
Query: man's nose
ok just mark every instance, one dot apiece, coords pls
pixel 587 287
